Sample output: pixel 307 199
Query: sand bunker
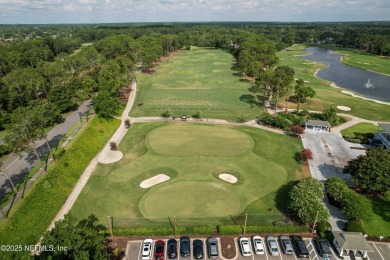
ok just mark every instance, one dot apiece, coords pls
pixel 344 108
pixel 228 177
pixel 154 181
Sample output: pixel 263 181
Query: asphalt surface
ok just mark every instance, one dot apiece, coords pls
pixel 381 252
pixel 18 167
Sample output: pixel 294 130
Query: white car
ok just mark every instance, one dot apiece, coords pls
pixel 147 248
pixel 258 245
pixel 245 246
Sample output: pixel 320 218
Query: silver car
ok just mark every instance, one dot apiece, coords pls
pixel 272 245
pixel 286 245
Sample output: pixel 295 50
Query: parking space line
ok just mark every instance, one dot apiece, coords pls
pixel 315 252
pixel 251 247
pixel 140 248
pixel 378 251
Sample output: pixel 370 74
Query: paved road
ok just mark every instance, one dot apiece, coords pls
pixel 18 168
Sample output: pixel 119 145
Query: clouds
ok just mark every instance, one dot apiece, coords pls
pixel 95 11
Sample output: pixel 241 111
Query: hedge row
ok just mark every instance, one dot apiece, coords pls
pixel 163 231
pixel 32 216
pixel 238 230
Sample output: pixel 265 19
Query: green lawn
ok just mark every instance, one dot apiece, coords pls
pixel 262 161
pixel 362 129
pixel 327 95
pixel 380 224
pixel 366 61
pixel 198 80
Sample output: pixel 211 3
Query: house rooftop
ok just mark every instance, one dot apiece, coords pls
pixel 317 123
pixel 352 241
pixel 385 127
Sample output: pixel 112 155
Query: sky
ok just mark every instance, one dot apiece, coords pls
pixel 118 11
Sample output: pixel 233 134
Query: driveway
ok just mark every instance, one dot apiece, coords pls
pixel 18 167
pixel 330 154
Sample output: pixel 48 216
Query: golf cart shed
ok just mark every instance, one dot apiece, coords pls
pixel 351 242
pixel 317 125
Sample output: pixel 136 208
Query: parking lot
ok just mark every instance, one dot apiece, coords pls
pixel 381 251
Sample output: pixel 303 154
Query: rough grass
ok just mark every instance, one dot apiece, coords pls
pixel 262 172
pixel 327 95
pixel 198 80
pixel 362 129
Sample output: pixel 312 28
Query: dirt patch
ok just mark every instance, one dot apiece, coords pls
pixel 154 181
pixel 306 170
pixel 228 177
pixel 228 247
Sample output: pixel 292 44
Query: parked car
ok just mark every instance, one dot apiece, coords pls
pixel 272 246
pixel 172 248
pixel 258 245
pixel 300 247
pixel 159 250
pixel 198 249
pixel 212 248
pixel 323 247
pixel 245 246
pixel 185 246
pixel 147 247
pixel 286 245
pixel 337 247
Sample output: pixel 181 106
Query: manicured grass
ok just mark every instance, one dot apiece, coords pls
pixel 30 218
pixel 365 61
pixel 327 95
pixel 198 80
pixel 362 129
pixel 380 224
pixel 198 140
pixel 195 194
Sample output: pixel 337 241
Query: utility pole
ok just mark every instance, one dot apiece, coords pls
pixel 174 225
pixel 246 218
pixel 109 224
pixel 315 222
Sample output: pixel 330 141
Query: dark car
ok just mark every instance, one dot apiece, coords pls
pixel 198 249
pixel 300 247
pixel 159 250
pixel 323 247
pixel 172 248
pixel 212 248
pixel 185 247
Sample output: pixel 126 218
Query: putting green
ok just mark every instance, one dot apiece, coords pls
pixel 198 140
pixel 187 199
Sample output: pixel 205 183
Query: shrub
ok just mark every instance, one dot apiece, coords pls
pixel 166 113
pixel 238 230
pixel 197 114
pixel 283 223
pixel 297 130
pixel 354 226
pixel 164 231
pixel 336 190
pixel 4 149
pixel 323 227
pixel 356 206
pixel 306 155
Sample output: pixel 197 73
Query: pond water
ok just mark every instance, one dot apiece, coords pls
pixel 366 83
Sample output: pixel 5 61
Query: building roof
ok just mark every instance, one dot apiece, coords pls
pixel 352 241
pixel 317 123
pixel 385 127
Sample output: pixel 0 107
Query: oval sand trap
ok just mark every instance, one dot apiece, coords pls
pixel 194 199
pixel 344 108
pixel 228 177
pixel 154 181
pixel 198 140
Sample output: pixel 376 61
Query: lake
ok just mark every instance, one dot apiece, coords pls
pixel 348 77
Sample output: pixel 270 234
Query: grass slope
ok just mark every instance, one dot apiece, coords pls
pixel 380 223
pixel 262 170
pixel 327 95
pixel 198 80
pixel 363 129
